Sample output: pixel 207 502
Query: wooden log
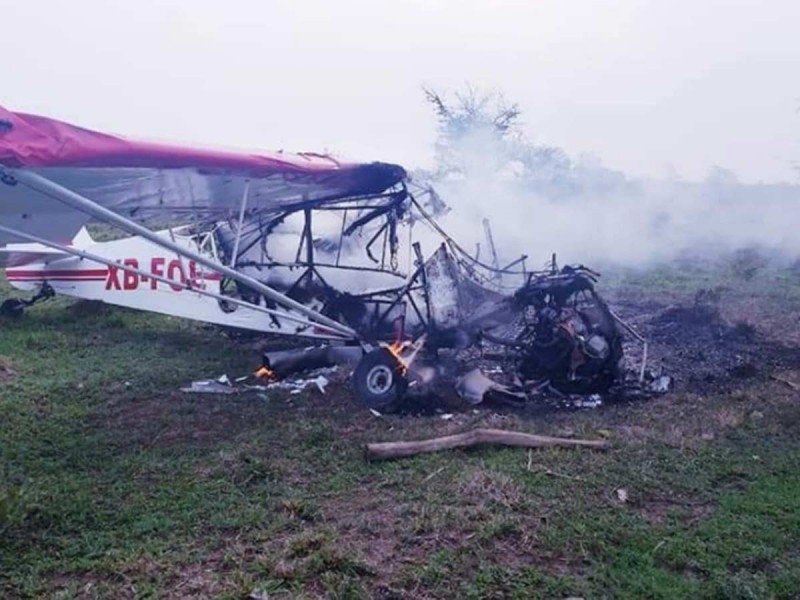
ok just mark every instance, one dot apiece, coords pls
pixel 384 450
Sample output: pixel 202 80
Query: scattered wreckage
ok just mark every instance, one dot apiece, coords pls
pixel 302 246
pixel 554 337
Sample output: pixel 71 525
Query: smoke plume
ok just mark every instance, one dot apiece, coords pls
pixel 541 201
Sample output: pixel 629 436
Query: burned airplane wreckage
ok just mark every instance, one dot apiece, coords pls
pixel 456 318
pixel 350 255
pixel 553 334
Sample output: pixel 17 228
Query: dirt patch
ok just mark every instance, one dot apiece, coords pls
pixel 89 308
pixel 202 580
pixel 181 582
pixel 480 486
pixel 388 534
pixel 175 419
pixel 635 434
pixel 6 370
pixel 657 510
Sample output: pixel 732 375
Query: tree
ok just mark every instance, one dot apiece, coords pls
pixel 475 123
pixel 480 134
pixel 481 140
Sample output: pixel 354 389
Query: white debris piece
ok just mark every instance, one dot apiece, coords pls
pixel 592 401
pixel 295 386
pixel 661 385
pixel 211 386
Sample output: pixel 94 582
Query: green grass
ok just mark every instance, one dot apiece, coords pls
pixel 113 484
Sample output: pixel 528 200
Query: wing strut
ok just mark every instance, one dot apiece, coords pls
pixel 78 202
pixel 235 256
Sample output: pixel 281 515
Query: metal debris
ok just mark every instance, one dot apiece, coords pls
pixel 224 385
pixel 296 386
pixel 661 385
pixel 221 385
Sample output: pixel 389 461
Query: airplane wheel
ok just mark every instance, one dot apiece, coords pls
pixel 379 381
pixel 13 307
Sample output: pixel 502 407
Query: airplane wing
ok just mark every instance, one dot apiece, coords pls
pixel 142 180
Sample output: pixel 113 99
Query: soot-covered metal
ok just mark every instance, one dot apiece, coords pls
pixel 554 335
pixel 450 330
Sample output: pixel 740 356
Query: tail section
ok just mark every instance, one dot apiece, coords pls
pixel 16 256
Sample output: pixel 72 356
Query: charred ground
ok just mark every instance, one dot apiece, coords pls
pixel 711 338
pixel 112 483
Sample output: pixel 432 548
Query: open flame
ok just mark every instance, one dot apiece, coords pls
pixel 405 351
pixel 396 349
pixel 266 373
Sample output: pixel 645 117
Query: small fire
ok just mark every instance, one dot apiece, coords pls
pixel 266 373
pixel 396 349
pixel 405 352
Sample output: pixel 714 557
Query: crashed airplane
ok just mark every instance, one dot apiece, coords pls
pixel 350 255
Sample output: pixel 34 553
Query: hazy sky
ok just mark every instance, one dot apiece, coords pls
pixel 649 86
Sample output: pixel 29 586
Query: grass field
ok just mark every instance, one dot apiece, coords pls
pixel 115 485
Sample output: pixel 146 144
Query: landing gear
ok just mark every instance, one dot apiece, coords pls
pixel 15 307
pixel 380 380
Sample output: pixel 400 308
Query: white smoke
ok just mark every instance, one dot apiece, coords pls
pixel 540 202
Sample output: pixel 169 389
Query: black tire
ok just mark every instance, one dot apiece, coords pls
pixel 379 381
pixel 13 307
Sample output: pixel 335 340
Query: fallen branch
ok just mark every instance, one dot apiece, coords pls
pixel 475 437
pixel 546 471
pixel 791 384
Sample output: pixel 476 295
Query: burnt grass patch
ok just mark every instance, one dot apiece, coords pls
pixel 705 351
pixel 115 484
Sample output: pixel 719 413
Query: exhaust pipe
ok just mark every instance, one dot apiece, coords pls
pixel 294 360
